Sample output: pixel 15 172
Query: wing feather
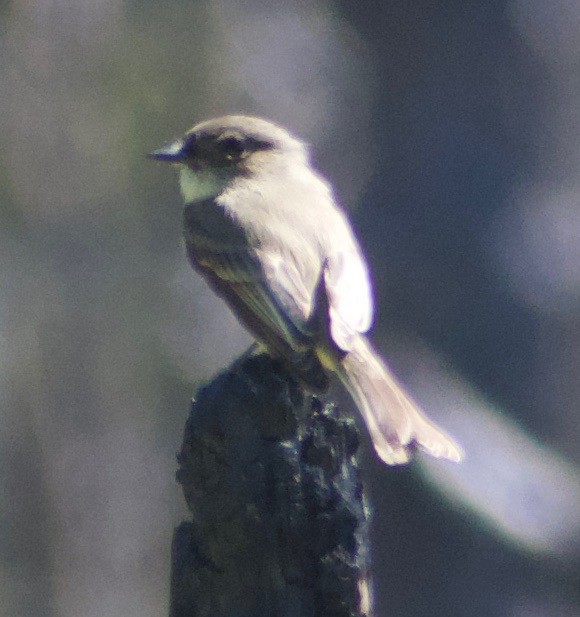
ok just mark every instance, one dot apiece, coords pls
pixel 264 289
pixel 349 293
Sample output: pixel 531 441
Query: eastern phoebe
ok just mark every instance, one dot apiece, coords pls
pixel 264 230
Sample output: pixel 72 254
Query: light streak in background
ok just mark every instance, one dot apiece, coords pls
pixel 522 488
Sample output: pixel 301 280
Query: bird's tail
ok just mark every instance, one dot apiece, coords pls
pixel 394 421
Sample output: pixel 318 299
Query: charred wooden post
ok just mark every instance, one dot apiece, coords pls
pixel 279 526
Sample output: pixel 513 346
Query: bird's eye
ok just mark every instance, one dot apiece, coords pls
pixel 232 147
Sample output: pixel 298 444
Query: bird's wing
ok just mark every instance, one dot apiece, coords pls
pixel 264 288
pixel 349 293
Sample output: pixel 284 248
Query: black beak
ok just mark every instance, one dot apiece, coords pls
pixel 172 153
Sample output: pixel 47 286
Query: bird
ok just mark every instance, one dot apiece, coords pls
pixel 263 228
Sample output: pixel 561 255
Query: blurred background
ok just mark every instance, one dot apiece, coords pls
pixel 450 130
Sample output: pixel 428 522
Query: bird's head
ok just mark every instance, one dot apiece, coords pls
pixel 213 153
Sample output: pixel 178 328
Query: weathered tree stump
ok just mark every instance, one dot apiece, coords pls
pixel 279 526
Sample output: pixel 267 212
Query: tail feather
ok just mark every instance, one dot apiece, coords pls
pixel 394 421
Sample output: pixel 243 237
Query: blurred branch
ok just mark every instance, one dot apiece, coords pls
pixel 278 522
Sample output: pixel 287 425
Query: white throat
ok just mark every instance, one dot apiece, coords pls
pixel 197 185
